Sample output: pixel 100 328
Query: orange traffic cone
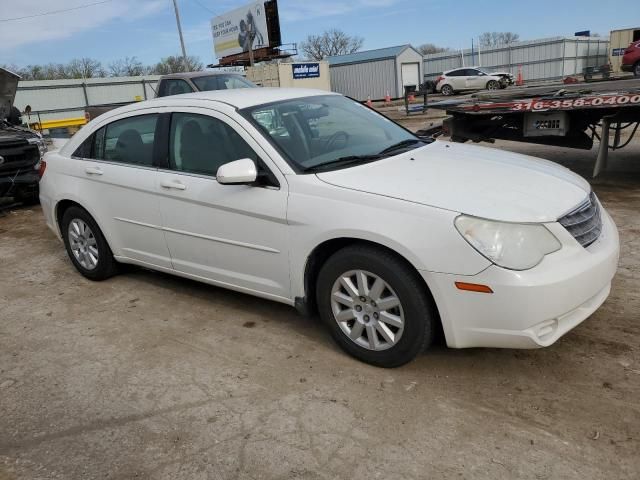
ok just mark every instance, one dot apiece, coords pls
pixel 369 104
pixel 387 97
pixel 520 80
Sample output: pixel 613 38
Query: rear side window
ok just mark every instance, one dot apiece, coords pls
pixel 129 140
pixel 456 73
pixel 201 144
pixel 85 150
pixel 221 82
pixel 174 87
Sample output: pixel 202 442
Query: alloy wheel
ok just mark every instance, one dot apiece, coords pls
pixel 83 244
pixel 367 310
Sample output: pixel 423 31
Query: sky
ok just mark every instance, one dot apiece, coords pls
pixel 146 29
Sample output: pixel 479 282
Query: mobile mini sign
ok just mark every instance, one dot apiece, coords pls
pixel 306 70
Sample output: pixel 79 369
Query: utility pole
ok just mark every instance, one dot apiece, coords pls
pixel 184 52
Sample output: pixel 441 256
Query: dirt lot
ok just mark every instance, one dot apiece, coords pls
pixel 151 376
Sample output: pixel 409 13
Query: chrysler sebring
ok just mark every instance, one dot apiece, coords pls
pixel 314 200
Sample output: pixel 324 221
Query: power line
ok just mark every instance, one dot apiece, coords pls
pixel 53 11
pixel 205 7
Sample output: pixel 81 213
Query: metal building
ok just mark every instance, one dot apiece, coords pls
pixel 374 73
pixel 58 99
pixel 545 59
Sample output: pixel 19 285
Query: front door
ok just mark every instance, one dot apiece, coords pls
pixel 233 235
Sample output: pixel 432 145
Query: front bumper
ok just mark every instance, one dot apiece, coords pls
pixel 626 68
pixel 531 308
pixel 21 183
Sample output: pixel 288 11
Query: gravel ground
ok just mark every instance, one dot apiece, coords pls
pixel 151 376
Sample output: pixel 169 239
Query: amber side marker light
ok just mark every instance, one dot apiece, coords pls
pixel 473 287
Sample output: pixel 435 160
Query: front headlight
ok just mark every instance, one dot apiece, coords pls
pixel 516 246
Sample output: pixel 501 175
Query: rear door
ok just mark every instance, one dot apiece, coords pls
pixel 233 235
pixel 118 182
pixel 457 79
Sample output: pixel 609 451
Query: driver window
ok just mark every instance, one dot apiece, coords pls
pixel 201 144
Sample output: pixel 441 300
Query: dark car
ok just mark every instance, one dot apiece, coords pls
pixel 177 83
pixel 20 148
pixel 631 59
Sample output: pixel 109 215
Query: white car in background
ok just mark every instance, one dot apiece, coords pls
pixel 462 79
pixel 316 201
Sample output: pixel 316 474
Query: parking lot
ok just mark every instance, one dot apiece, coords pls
pixel 151 376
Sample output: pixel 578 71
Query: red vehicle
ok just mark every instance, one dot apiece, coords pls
pixel 631 59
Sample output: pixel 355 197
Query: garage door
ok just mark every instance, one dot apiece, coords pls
pixel 410 74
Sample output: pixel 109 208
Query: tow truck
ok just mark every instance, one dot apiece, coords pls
pixel 566 116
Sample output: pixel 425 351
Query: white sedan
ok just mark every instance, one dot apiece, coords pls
pixel 462 79
pixel 314 200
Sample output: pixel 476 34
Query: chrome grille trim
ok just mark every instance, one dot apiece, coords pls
pixel 584 222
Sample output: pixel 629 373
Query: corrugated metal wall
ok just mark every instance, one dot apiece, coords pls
pixel 57 99
pixel 360 80
pixel 546 59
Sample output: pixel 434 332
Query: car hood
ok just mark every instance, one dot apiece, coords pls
pixel 8 87
pixel 477 181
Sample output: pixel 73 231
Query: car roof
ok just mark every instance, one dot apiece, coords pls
pixel 202 73
pixel 236 97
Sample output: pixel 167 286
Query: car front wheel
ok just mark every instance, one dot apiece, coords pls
pixel 375 306
pixel 86 245
pixel 636 70
pixel 493 85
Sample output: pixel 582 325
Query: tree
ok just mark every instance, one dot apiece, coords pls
pixel 331 42
pixel 126 67
pixel 428 48
pixel 175 64
pixel 85 68
pixel 493 39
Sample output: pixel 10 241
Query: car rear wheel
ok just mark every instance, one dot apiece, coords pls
pixel 86 245
pixel 493 85
pixel 375 306
pixel 446 90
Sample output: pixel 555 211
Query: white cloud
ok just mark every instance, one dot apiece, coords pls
pixel 66 24
pixel 296 11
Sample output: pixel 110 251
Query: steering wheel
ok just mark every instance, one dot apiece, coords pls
pixel 331 142
pixel 296 133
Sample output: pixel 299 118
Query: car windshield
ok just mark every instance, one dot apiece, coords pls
pixel 329 131
pixel 221 82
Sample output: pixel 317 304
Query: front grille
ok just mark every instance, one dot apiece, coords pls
pixel 584 222
pixel 18 156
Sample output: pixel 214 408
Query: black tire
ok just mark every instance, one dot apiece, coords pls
pixel 493 85
pixel 106 265
pixel 636 69
pixel 419 318
pixel 447 90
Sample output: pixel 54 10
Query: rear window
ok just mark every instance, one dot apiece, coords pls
pixel 221 82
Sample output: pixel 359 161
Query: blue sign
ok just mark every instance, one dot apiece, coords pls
pixel 617 52
pixel 583 33
pixel 306 70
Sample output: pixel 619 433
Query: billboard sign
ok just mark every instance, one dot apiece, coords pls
pixel 231 30
pixel 305 70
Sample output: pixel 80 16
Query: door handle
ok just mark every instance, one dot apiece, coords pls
pixel 93 171
pixel 173 184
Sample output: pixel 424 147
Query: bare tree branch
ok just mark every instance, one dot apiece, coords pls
pixel 331 42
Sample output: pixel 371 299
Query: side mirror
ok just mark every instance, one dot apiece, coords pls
pixel 238 172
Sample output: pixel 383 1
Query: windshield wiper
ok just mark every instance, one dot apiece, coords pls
pixel 343 161
pixel 399 145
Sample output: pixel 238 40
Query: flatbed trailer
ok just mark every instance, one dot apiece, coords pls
pixel 566 116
